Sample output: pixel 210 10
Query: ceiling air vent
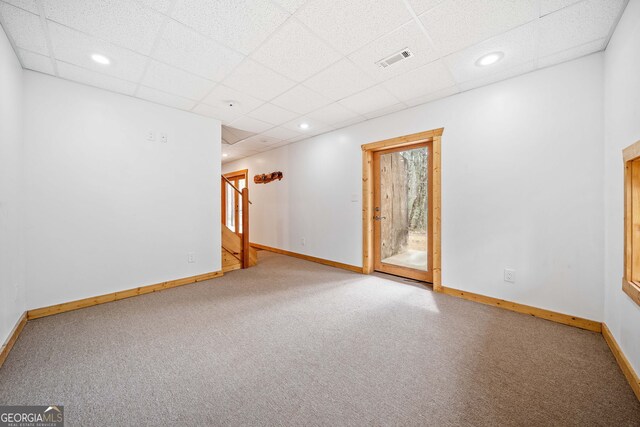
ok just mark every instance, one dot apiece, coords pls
pixel 396 57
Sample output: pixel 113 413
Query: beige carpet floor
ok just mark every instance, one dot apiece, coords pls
pixel 290 342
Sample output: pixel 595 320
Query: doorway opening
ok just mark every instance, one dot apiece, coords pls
pixel 401 207
pixel 232 199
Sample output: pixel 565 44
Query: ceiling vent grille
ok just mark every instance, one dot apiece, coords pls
pixel 396 57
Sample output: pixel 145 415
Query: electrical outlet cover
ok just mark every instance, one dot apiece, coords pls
pixel 509 275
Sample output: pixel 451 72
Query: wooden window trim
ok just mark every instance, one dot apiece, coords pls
pixel 630 281
pixel 434 136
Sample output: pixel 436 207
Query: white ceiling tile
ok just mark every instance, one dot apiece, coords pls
pixel 279 144
pixel 408 36
pixel 370 100
pixel 91 78
pixel 263 140
pixel 576 25
pixel 421 6
pixel 76 48
pixel 225 115
pixel 250 124
pixel 300 138
pixel 164 98
pixel 517 45
pixel 425 80
pixel 349 25
pixel 340 80
pixel 315 126
pixel 173 80
pixel 35 61
pixel 358 119
pixel 569 54
pixel 29 5
pixel 333 114
pixel 384 111
pixel 295 52
pixel 184 48
pixel 257 80
pixel 252 143
pixel 159 5
pixel 281 133
pixel 301 100
pixel 240 24
pixel 498 76
pixel 423 99
pixel 231 135
pixel 285 51
pixel 25 29
pixel 456 24
pixel 291 5
pixel 272 114
pixel 548 6
pixel 243 151
pixel 122 22
pixel 221 95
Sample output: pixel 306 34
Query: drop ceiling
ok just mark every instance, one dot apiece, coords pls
pixel 284 62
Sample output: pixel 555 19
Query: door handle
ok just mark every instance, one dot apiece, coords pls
pixel 379 218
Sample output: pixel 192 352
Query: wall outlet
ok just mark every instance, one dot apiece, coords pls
pixel 151 136
pixel 191 257
pixel 509 275
pixel 163 138
pixel 303 241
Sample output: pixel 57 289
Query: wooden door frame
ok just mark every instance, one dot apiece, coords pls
pixel 435 137
pixel 424 276
pixel 243 173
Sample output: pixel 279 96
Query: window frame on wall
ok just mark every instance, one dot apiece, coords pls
pixel 631 279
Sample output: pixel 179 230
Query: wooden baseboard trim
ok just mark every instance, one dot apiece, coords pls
pixel 232 268
pixel 309 258
pixel 11 339
pixel 623 362
pixel 115 296
pixel 578 322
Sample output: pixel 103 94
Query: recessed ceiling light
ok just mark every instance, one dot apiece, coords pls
pixel 304 125
pixel 225 155
pixel 489 59
pixel 100 59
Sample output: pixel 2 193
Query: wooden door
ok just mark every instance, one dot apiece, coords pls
pixel 403 227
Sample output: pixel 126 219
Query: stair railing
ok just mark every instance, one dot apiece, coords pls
pixel 245 222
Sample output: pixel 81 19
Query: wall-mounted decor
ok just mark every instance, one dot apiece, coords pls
pixel 267 177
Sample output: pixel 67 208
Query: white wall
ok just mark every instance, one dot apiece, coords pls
pixel 108 210
pixel 522 188
pixel 622 126
pixel 12 281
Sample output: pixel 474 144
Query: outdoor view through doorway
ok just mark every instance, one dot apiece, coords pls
pixel 401 210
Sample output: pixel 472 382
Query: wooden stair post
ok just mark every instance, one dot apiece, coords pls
pixel 246 249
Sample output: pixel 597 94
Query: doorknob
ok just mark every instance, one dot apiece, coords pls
pixel 379 218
